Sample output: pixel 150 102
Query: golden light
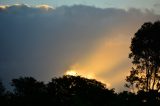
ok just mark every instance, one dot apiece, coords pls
pixel 87 75
pixel 104 63
pixel 79 73
pixel 44 6
pixel 90 76
pixel 71 72
pixel 3 6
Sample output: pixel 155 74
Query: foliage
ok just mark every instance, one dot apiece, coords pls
pixel 145 53
pixel 63 91
pixel 70 91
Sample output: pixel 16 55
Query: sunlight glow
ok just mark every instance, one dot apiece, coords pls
pixel 71 72
pixel 108 63
pixel 74 72
pixel 90 76
pixel 44 6
pixel 3 6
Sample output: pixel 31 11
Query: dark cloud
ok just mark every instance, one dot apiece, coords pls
pixel 157 8
pixel 43 42
pixel 157 5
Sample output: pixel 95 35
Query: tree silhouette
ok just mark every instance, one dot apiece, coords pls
pixel 79 91
pixel 27 86
pixel 126 98
pixel 62 91
pixel 2 89
pixel 72 91
pixel 2 94
pixel 28 91
pixel 145 53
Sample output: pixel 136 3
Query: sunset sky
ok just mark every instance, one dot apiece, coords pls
pixel 50 38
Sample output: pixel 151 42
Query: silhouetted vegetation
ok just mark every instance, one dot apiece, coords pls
pixel 69 90
pixel 62 91
pixel 145 52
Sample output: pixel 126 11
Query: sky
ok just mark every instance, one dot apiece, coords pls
pixel 46 39
pixel 125 4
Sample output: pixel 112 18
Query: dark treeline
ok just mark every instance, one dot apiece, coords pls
pixel 71 91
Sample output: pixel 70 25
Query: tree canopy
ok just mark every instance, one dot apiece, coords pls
pixel 69 91
pixel 63 91
pixel 145 55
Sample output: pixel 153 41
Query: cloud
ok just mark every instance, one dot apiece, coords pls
pixel 44 42
pixel 44 6
pixel 157 5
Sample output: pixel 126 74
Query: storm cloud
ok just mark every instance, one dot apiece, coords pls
pixel 44 42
